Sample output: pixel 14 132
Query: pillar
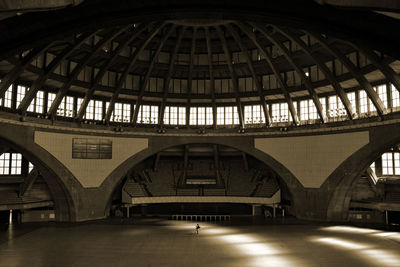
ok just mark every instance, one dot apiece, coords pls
pixel 257 210
pixel 274 212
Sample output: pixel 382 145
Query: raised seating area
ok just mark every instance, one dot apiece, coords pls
pixel 214 191
pixel 393 197
pixel 187 191
pixel 238 186
pixel 132 189
pixel 267 188
pixel 11 200
pixel 276 198
pixel 161 185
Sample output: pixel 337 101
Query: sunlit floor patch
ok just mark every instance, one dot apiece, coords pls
pixel 216 231
pixel 237 239
pixel 363 231
pixel 350 229
pixel 254 250
pixel 367 252
pixel 257 249
pixel 274 261
pixel 383 257
pixel 340 243
pixel 386 234
pixel 389 235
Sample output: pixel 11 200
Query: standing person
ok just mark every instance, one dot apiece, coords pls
pixel 197 228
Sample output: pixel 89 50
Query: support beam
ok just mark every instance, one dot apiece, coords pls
pixel 232 71
pixel 245 162
pixel 211 73
pixel 390 74
pixel 372 178
pixel 253 73
pixel 380 108
pixel 185 164
pixel 156 161
pixel 168 77
pixel 73 76
pixel 12 75
pixel 275 70
pixel 132 60
pixel 37 84
pixel 138 51
pixel 297 68
pixel 148 73
pixel 321 65
pixel 190 76
pixel 216 164
pixel 28 182
pixel 255 175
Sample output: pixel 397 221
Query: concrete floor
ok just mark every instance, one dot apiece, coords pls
pixel 157 242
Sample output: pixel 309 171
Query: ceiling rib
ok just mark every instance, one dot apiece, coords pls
pixel 234 79
pixel 99 76
pixel 190 76
pixel 297 68
pixel 389 73
pixel 38 83
pixel 282 82
pixel 355 72
pixel 256 80
pixel 134 58
pixel 148 73
pixel 321 65
pixel 73 76
pixel 211 73
pixel 167 78
pixel 19 68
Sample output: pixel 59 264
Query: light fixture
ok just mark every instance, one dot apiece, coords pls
pixel 118 129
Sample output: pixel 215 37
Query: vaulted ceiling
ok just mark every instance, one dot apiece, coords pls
pixel 189 57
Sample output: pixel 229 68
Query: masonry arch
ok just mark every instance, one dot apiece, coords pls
pixel 60 181
pixel 346 175
pixel 244 145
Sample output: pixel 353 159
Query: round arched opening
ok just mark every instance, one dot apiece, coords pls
pixel 30 190
pixel 206 179
pixel 375 194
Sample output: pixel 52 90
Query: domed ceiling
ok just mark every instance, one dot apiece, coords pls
pixel 200 62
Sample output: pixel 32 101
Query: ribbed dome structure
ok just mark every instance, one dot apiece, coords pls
pixel 208 63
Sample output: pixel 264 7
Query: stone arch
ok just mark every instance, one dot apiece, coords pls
pixel 60 181
pixel 242 143
pixel 345 176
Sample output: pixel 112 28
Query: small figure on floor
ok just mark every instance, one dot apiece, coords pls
pixel 197 229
